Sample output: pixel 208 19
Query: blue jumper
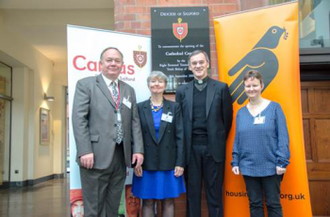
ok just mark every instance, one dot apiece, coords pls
pixel 259 148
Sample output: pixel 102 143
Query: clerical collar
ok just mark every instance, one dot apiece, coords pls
pixel 200 82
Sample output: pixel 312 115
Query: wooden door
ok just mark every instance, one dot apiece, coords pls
pixel 316 120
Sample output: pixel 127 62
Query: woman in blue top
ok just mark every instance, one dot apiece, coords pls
pixel 261 148
pixel 162 130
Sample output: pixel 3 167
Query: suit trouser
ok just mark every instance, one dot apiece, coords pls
pixel 257 187
pixel 102 188
pixel 203 167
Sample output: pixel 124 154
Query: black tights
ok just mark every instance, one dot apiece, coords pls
pixel 148 207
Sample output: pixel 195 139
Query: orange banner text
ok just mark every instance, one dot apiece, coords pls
pixel 266 40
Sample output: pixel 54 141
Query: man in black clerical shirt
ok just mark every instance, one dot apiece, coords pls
pixel 207 114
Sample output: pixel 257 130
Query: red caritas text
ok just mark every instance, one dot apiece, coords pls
pixel 81 63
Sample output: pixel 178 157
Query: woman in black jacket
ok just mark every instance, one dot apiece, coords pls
pixel 160 177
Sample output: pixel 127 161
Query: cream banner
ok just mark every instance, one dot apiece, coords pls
pixel 84 48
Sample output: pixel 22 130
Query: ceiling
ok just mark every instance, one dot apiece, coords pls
pixel 42 23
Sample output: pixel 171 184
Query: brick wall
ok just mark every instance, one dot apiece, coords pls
pixel 133 16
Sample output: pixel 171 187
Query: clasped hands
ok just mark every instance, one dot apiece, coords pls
pixel 279 170
pixel 178 171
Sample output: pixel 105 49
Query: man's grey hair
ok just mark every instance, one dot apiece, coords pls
pixel 112 48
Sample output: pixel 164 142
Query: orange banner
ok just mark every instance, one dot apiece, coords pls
pixel 266 40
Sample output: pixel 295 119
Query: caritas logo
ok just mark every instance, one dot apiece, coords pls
pixel 81 63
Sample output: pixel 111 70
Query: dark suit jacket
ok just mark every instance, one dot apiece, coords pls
pixel 219 114
pixel 168 151
pixel 94 121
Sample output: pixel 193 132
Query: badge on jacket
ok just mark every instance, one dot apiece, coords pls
pixel 167 117
pixel 127 102
pixel 259 120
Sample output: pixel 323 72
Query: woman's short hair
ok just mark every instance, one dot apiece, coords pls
pixel 253 74
pixel 157 74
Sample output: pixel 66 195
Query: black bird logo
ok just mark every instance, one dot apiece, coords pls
pixel 260 58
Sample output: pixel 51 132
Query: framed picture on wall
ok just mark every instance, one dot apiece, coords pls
pixel 44 126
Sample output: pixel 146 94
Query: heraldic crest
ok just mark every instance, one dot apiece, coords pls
pixel 180 30
pixel 140 57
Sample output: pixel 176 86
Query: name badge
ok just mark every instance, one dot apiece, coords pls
pixel 259 120
pixel 127 102
pixel 167 117
pixel 118 116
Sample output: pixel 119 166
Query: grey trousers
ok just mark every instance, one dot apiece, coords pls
pixel 102 188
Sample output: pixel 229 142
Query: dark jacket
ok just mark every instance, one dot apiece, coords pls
pixel 168 151
pixel 219 114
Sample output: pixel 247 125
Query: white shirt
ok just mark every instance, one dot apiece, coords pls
pixel 108 82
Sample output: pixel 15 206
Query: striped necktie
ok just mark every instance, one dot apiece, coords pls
pixel 114 91
pixel 120 135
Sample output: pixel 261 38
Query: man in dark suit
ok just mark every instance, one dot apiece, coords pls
pixel 107 130
pixel 207 114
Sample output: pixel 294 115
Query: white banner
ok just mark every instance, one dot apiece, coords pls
pixel 84 48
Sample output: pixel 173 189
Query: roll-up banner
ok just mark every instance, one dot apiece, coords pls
pixel 84 48
pixel 267 40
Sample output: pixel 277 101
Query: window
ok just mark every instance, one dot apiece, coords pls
pixel 314 30
pixel 5 118
pixel 314 23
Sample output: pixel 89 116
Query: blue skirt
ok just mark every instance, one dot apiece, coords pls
pixel 158 185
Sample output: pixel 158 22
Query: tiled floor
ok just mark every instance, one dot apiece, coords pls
pixel 49 199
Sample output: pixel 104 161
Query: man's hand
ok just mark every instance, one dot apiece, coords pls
pixel 178 171
pixel 138 159
pixel 235 170
pixel 280 170
pixel 87 161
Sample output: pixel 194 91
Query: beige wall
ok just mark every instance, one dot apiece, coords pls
pixel 33 75
pixel 60 82
pixel 20 126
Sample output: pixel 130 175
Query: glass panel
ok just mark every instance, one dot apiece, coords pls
pixel 4 140
pixel 5 80
pixel 5 90
pixel 314 19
